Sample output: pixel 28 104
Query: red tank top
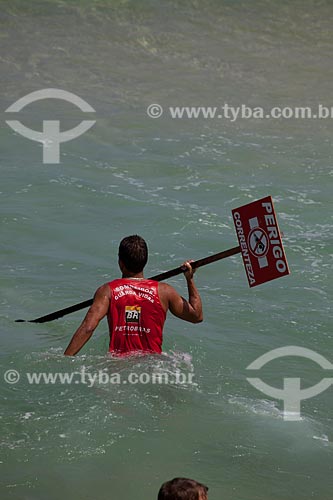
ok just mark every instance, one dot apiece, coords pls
pixel 136 316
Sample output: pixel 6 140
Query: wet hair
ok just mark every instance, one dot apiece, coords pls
pixel 133 253
pixel 181 488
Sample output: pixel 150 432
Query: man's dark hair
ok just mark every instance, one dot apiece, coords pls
pixel 181 488
pixel 133 252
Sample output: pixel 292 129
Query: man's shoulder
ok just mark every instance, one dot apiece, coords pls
pixel 164 286
pixel 103 290
pixel 166 289
pixel 115 282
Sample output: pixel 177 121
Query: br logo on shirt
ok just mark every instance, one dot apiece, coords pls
pixel 132 314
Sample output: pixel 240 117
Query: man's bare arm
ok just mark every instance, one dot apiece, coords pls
pixel 190 310
pixel 96 312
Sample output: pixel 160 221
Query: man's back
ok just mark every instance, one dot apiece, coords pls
pixel 130 310
pixel 136 316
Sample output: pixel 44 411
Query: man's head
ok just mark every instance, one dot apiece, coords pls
pixel 133 253
pixel 181 488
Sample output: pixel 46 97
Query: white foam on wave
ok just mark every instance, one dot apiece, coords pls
pixel 323 438
pixel 257 406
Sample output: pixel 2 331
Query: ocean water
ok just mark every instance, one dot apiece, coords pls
pixel 174 182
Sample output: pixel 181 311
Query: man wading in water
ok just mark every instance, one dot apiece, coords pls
pixel 136 307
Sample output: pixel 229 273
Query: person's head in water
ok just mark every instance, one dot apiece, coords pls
pixel 133 254
pixel 181 488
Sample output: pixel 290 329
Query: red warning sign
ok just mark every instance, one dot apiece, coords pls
pixel 260 241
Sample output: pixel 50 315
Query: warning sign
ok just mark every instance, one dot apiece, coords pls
pixel 260 241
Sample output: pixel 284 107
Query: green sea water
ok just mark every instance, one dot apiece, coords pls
pixel 174 182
